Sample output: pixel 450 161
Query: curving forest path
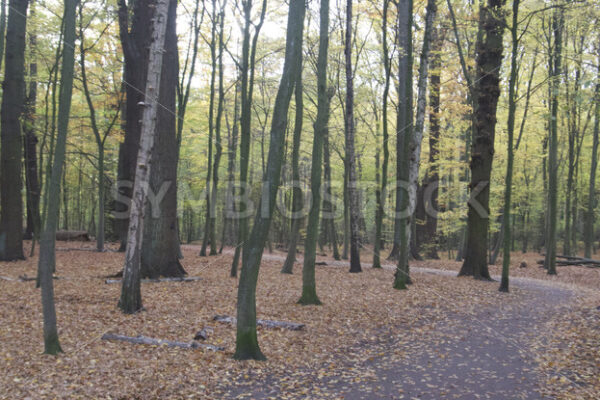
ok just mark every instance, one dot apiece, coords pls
pixel 483 355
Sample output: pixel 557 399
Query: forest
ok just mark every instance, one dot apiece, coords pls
pixel 300 199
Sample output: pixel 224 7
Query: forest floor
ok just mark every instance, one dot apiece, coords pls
pixel 445 337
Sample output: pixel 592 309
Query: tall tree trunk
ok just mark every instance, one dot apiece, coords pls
pixel 211 127
pixel 589 220
pixel 229 220
pixel 247 88
pixel 297 202
pixel 309 287
pixel 382 193
pixel 2 29
pixel 417 137
pixel 131 297
pixel 47 261
pixel 13 96
pixel 135 40
pixel 550 259
pixel 352 189
pixel 432 179
pixel 486 91
pixel 512 107
pixel 160 249
pixel 328 207
pixel 404 132
pixel 218 144
pixel 246 339
pixel 32 182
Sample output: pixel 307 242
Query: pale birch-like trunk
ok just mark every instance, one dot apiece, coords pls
pixel 131 298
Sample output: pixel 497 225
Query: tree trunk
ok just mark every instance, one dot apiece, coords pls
pixel 229 220
pixel 405 139
pixel 417 137
pixel 382 193
pixel 47 261
pixel 297 200
pixel 432 179
pixel 131 298
pixel 309 288
pixel 247 88
pixel 160 249
pixel 512 107
pixel 246 338
pixel 353 200
pixel 550 260
pixel 328 214
pixel 218 145
pixel 32 182
pixel 13 96
pixel 589 220
pixel 486 93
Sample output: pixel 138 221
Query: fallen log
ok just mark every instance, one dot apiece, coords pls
pixel 23 278
pixel 72 236
pixel 574 263
pixel 577 258
pixel 292 326
pixel 160 342
pixel 160 280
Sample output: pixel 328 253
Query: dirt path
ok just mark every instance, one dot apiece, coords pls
pixel 486 355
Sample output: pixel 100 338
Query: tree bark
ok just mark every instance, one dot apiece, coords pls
pixel 131 298
pixel 47 260
pixel 297 200
pixel 309 288
pixel 350 157
pixel 246 339
pixel 405 139
pixel 13 96
pixel 555 61
pixel 32 182
pixel 512 107
pixel 247 89
pixel 486 93
pixel 382 193
pixel 589 220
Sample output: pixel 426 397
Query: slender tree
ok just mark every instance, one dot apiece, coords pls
pixel 512 107
pixel 350 158
pixel 47 261
pixel 246 68
pixel 98 135
pixel 404 134
pixel 486 92
pixel 381 193
pixel 32 182
pixel 218 124
pixel 13 96
pixel 246 339
pixel 589 220
pixel 555 73
pixel 131 297
pixel 309 289
pixel 297 202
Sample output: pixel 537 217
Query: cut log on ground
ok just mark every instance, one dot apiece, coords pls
pixel 160 280
pixel 292 326
pixel 72 236
pixel 23 278
pixel 160 342
pixel 576 262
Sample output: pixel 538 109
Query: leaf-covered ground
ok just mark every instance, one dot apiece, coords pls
pixel 367 340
